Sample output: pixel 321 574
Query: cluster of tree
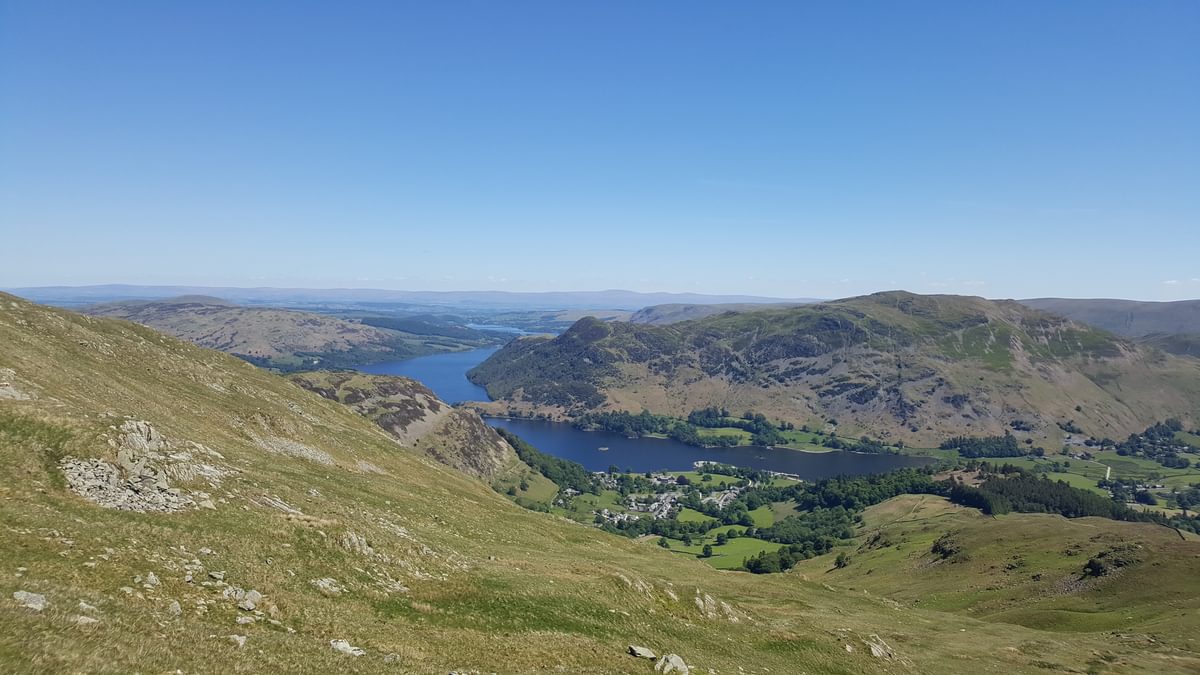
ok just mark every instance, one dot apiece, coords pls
pixel 811 526
pixel 645 423
pixel 762 430
pixel 786 557
pixel 858 492
pixel 1010 488
pixel 564 473
pixel 1158 442
pixel 987 446
pixel 863 444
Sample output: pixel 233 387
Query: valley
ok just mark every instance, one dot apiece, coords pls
pixel 354 504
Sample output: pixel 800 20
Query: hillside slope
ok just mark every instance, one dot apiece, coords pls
pixel 275 338
pixel 166 507
pixel 413 414
pixel 1026 569
pixel 897 365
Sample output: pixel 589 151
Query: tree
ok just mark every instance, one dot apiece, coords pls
pixel 662 541
pixel 842 560
pixel 707 551
pixel 722 539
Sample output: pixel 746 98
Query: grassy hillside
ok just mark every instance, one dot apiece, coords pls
pixel 1023 569
pixel 289 521
pixel 897 365
pixel 281 339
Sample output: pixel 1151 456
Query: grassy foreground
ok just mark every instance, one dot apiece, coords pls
pixel 433 571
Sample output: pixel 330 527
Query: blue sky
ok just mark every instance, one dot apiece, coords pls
pixel 790 149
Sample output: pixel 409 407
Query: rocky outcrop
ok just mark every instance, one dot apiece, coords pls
pixel 417 418
pixel 141 478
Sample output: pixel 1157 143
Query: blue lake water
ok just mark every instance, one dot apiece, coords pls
pixel 653 454
pixel 445 374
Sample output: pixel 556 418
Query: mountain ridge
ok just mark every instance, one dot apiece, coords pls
pixel 905 366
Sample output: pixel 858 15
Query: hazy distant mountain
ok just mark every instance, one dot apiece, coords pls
pixel 912 367
pixel 1171 326
pixel 282 338
pixel 608 299
pixel 1130 318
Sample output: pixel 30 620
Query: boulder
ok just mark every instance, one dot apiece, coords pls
pixel 346 648
pixel 671 663
pixel 641 652
pixel 34 601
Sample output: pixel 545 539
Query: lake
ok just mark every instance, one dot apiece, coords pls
pixel 445 374
pixel 653 454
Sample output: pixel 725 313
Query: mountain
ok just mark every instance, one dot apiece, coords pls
pixel 1128 318
pixel 898 365
pixel 280 338
pixel 167 507
pixel 1171 326
pixel 608 299
pixel 663 315
pixel 413 414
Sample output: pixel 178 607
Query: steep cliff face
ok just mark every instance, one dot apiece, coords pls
pixel 415 416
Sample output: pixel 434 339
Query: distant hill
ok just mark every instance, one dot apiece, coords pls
pixel 910 367
pixel 278 338
pixel 663 315
pixel 607 299
pixel 1129 318
pixel 414 415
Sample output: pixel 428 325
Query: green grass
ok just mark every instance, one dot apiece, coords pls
pixel 742 435
pixel 763 516
pixel 718 480
pixel 1188 438
pixel 726 557
pixel 691 516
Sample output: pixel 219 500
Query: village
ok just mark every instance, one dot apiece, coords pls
pixel 662 501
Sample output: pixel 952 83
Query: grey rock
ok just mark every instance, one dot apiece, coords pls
pixel 328 586
pixel 243 620
pixel 251 600
pixel 34 601
pixel 85 621
pixel 671 663
pixel 219 576
pixel 346 648
pixel 641 652
pixel 152 579
pixel 84 607
pixel 174 609
pixel 239 640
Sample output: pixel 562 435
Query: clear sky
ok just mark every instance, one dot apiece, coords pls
pixel 1005 149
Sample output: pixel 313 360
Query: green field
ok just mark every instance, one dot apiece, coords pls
pixel 696 478
pixel 742 435
pixel 1125 468
pixel 728 556
pixel 763 516
pixel 691 516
